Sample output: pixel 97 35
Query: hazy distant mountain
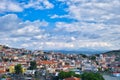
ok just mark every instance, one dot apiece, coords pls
pixel 79 52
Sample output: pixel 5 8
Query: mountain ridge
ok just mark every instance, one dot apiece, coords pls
pixel 87 51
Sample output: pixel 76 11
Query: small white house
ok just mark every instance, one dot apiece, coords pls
pixel 30 72
pixel 117 74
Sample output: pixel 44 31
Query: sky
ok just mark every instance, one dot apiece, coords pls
pixel 60 24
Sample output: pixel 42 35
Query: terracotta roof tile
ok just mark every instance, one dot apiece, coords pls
pixel 46 62
pixel 72 78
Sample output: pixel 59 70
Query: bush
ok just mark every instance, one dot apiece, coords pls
pixel 77 75
pixel 91 76
pixel 63 74
pixel 4 76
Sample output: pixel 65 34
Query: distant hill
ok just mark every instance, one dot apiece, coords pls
pixel 88 52
pixel 80 51
pixel 114 52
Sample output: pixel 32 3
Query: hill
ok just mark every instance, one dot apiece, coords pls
pixel 113 52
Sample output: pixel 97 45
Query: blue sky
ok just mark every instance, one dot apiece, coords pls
pixel 60 24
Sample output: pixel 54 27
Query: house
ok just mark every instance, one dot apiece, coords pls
pixel 67 67
pixel 77 71
pixel 2 69
pixel 117 74
pixel 77 64
pixel 30 72
pixel 12 68
pixel 49 65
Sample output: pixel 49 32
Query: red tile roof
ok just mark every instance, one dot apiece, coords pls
pixel 72 78
pixel 2 71
pixel 46 62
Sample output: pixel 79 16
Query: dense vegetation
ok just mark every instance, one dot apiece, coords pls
pixel 91 76
pixel 63 74
pixel 18 69
pixel 33 65
pixel 114 52
pixel 84 76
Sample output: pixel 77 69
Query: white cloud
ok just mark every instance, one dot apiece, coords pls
pixel 59 16
pixel 93 10
pixel 39 4
pixel 57 45
pixel 73 38
pixel 14 31
pixel 97 34
pixel 54 16
pixel 9 22
pixel 65 35
pixel 95 26
pixel 10 6
pixel 24 45
pixel 16 6
pixel 78 26
pixel 28 29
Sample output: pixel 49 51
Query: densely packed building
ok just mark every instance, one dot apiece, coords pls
pixel 54 61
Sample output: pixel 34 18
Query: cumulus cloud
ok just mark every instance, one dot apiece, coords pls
pixel 94 10
pixel 14 30
pixel 58 16
pixel 16 6
pixel 9 22
pixel 61 45
pixel 97 20
pixel 10 6
pixel 75 35
pixel 78 26
pixel 39 4
pixel 95 26
pixel 97 34
pixel 28 30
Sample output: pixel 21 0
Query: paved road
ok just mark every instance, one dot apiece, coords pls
pixel 41 78
pixel 107 77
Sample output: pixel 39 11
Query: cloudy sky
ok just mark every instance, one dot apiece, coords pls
pixel 60 24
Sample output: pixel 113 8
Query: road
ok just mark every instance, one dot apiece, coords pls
pixel 108 77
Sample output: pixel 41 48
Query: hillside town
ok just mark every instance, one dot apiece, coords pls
pixel 49 64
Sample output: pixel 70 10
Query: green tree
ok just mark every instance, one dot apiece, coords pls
pixel 33 65
pixel 69 74
pixel 99 69
pixel 63 74
pixel 91 76
pixel 84 56
pixel 18 69
pixel 93 58
pixel 77 75
pixel 4 76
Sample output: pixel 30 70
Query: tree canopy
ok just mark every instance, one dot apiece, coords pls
pixel 93 57
pixel 33 65
pixel 63 74
pixel 18 69
pixel 91 76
